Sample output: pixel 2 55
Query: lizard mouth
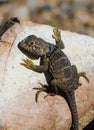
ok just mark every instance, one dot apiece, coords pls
pixel 28 54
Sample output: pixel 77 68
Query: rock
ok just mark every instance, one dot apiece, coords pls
pixel 18 109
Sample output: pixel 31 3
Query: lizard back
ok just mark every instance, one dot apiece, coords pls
pixel 60 66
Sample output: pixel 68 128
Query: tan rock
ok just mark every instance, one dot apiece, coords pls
pixel 18 109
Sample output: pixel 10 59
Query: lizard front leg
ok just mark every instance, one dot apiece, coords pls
pixel 57 37
pixel 28 63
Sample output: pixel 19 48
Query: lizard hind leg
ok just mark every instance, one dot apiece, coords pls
pixel 41 89
pixel 44 88
pixel 50 90
pixel 76 77
pixel 36 95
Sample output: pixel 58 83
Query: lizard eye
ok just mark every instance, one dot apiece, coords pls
pixel 32 43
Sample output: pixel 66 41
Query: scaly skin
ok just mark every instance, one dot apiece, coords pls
pixel 61 76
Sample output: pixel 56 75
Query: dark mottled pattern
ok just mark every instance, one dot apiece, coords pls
pixel 60 66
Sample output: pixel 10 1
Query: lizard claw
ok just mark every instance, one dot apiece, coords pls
pixel 57 34
pixel 36 95
pixel 83 74
pixel 27 60
pixel 42 89
pixel 27 63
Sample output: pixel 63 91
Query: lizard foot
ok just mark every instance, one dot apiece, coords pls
pixel 57 34
pixel 28 63
pixel 43 88
pixel 57 37
pixel 37 94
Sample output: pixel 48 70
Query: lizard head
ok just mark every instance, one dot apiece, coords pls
pixel 34 47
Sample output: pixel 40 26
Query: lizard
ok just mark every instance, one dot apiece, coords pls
pixel 7 24
pixel 61 76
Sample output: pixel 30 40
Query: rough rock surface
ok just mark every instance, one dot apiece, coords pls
pixel 18 109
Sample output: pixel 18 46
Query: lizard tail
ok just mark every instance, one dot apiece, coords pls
pixel 70 98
